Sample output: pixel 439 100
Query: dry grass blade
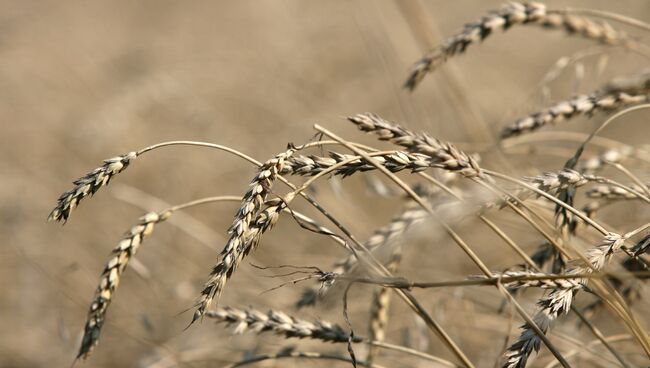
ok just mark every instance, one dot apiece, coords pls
pixel 88 185
pixel 510 14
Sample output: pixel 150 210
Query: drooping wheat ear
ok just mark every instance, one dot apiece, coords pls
pixel 579 105
pixel 611 192
pixel 110 278
pixel 445 155
pixel 511 14
pixel 559 301
pixel 615 156
pixel 244 236
pixel 280 323
pixel 88 185
pixel 379 307
pixel 538 282
pixel 383 236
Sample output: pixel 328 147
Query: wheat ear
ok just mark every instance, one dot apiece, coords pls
pixel 242 235
pixel 579 105
pixel 511 14
pixel 88 185
pixel 443 154
pixel 280 323
pixel 559 301
pixel 110 278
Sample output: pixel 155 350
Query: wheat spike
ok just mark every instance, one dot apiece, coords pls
pixel 510 14
pixel 559 301
pixel 88 185
pixel 246 229
pixel 280 323
pixel 443 154
pixel 110 278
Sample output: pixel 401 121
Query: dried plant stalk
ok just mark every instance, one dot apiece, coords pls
pixel 245 230
pixel 110 278
pixel 88 185
pixel 511 14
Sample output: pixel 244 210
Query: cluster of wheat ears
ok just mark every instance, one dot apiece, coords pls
pixel 546 203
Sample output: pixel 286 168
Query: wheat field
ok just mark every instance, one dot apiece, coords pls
pixel 285 183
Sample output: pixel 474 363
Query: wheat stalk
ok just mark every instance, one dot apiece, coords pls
pixel 89 184
pixel 511 14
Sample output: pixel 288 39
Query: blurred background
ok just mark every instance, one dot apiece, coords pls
pixel 82 81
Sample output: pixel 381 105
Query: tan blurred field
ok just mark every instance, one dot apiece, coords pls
pixel 82 81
